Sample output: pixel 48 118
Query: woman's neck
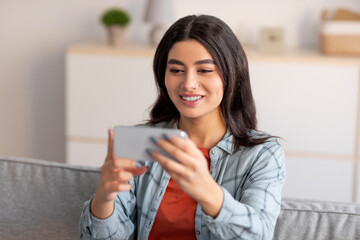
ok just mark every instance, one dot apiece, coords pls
pixel 205 133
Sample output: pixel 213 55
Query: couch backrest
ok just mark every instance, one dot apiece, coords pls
pixel 42 200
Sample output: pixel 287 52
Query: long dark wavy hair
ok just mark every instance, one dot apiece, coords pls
pixel 237 106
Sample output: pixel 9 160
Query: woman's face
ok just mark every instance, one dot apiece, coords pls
pixel 193 81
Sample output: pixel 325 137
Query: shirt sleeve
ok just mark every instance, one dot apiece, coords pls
pixel 119 225
pixel 254 214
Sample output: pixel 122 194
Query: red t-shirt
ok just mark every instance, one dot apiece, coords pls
pixel 175 219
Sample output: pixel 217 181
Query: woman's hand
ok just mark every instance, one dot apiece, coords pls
pixel 191 172
pixel 115 176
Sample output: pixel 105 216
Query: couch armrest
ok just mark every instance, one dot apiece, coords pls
pixel 304 219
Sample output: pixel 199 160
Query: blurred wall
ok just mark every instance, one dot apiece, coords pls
pixel 34 35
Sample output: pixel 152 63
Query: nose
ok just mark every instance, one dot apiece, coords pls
pixel 190 82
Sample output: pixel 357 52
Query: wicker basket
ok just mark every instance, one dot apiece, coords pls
pixel 341 38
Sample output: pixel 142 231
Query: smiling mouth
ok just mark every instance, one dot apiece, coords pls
pixel 191 99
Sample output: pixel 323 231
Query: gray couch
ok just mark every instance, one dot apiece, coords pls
pixel 43 200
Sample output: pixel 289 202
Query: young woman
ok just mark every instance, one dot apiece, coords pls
pixel 228 177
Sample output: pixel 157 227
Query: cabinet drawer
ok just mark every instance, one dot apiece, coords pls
pixel 103 91
pixel 313 107
pixel 319 179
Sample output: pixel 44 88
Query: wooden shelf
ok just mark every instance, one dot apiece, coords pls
pixel 288 56
pixel 300 56
pixel 101 48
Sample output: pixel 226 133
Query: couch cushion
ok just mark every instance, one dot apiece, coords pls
pixel 42 200
pixel 301 219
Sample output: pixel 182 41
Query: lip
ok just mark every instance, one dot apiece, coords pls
pixel 190 104
pixel 191 95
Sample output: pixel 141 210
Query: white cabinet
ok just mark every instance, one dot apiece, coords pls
pixel 104 87
pixel 319 179
pixel 314 109
pixel 311 101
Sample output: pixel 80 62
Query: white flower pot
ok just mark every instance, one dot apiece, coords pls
pixel 116 35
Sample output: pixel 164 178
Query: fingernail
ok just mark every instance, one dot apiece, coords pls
pixel 167 136
pixel 149 151
pixel 139 164
pixel 155 139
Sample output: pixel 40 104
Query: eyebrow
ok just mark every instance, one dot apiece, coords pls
pixel 177 62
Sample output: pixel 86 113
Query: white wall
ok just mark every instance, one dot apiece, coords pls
pixel 35 34
pixel 299 18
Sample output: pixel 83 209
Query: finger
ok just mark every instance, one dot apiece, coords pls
pixel 170 165
pixel 179 179
pixel 117 187
pixel 117 165
pixel 124 163
pixel 110 152
pixel 119 176
pixel 176 152
pixel 186 145
pixel 139 171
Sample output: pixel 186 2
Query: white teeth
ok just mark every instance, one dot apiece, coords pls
pixel 191 99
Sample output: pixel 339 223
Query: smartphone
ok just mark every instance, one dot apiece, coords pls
pixel 133 142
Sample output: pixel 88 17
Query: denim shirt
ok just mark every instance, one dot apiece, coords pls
pixel 251 179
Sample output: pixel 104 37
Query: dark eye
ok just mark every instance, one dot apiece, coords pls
pixel 205 71
pixel 174 70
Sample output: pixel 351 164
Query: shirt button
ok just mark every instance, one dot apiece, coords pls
pixel 213 151
pixel 197 232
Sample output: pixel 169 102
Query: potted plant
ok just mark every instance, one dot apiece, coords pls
pixel 115 21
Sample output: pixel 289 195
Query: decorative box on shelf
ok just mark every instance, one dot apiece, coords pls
pixel 340 35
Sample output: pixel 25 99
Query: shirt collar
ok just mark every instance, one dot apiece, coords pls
pixel 227 143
